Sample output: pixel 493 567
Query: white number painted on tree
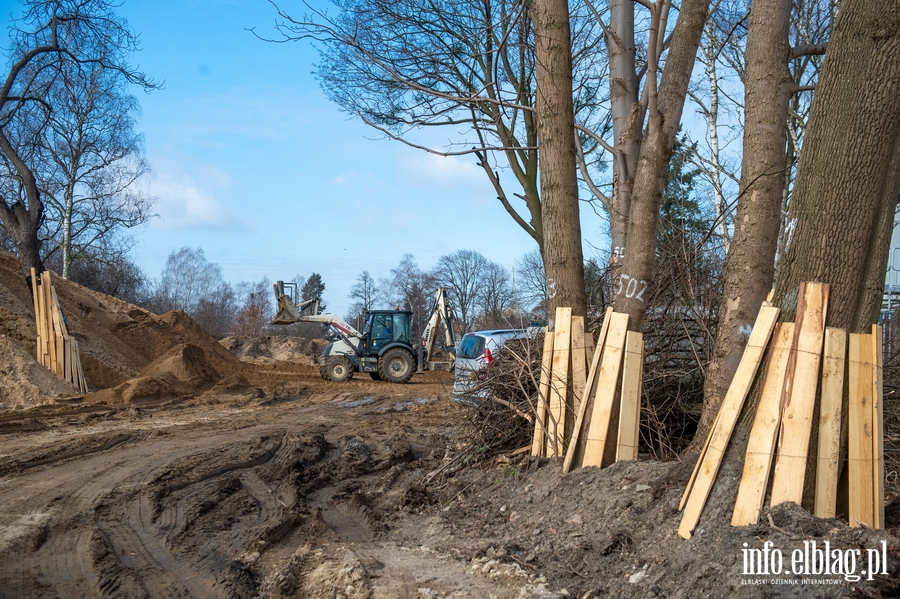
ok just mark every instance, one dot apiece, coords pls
pixel 633 288
pixel 551 288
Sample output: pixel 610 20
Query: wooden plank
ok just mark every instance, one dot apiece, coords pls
pixel 66 359
pixel 834 363
pixel 57 307
pixel 588 390
pixel 690 485
pixel 82 381
pixel 630 408
pixel 37 311
pixel 860 446
pixel 878 424
pixel 46 285
pixel 729 412
pixel 60 356
pixel 764 432
pixel 43 348
pixel 58 332
pixel 799 395
pixel 589 346
pixel 559 383
pixel 605 391
pixel 540 421
pixel 579 365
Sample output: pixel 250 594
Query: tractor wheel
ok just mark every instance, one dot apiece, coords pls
pixel 375 376
pixel 338 369
pixel 396 365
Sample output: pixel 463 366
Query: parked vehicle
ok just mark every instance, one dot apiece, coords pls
pixel 476 352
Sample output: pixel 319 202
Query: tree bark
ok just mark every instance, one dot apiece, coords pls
pixel 20 220
pixel 562 253
pixel 627 118
pixel 848 179
pixel 665 110
pixel 750 269
pixel 845 194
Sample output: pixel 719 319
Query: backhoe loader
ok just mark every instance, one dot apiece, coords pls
pixel 383 349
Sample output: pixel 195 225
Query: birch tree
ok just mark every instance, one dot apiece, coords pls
pixel 94 164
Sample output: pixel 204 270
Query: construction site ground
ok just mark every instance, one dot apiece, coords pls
pixel 209 469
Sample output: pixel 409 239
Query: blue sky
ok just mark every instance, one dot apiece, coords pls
pixel 254 164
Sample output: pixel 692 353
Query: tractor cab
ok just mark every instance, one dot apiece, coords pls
pixel 385 327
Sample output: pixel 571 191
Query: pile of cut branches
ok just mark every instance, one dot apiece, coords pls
pixel 891 407
pixel 503 400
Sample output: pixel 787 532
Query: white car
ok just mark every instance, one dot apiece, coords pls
pixel 476 351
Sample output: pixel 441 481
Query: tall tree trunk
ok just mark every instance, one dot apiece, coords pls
pixel 846 191
pixel 627 118
pixel 712 125
pixel 750 268
pixel 67 236
pixel 562 254
pixel 665 109
pixel 848 179
pixel 23 221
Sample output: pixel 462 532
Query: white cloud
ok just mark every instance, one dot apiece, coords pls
pixel 182 202
pixel 458 173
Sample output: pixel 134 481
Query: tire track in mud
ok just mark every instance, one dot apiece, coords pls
pixel 211 507
pixel 158 532
pixel 118 546
pixel 350 524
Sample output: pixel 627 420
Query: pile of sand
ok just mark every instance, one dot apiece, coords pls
pixel 24 382
pixel 128 354
pixel 269 350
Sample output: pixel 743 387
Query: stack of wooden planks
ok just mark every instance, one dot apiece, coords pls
pixel 589 414
pixel 805 362
pixel 56 349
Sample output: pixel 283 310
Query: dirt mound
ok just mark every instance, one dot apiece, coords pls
pixel 184 370
pixel 267 350
pixel 24 382
pixel 126 351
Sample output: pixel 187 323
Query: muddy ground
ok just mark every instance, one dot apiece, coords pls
pixel 305 488
pixel 202 469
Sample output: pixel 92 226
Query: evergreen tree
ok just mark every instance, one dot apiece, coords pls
pixel 313 288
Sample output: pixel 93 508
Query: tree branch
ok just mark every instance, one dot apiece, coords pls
pixel 808 50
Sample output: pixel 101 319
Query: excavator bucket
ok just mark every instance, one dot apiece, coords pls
pixel 288 311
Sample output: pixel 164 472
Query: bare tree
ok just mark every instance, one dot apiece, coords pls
pixel 256 310
pixel 665 103
pixel 462 274
pixel 112 273
pixel 217 311
pixel 52 34
pixel 411 289
pixel 364 292
pixel 531 282
pixel 94 163
pixel 187 279
pixel 845 194
pixel 847 188
pixel 765 181
pixel 464 65
pixel 498 300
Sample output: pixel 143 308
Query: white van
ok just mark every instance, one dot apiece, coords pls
pixel 476 351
